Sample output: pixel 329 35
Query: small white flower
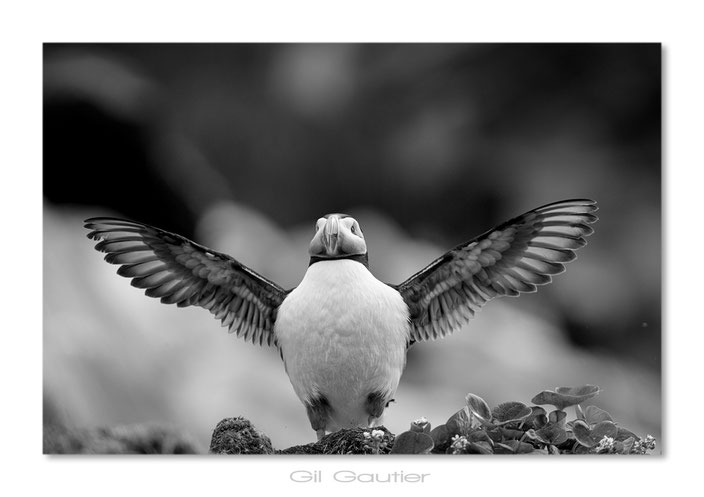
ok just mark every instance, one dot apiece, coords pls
pixel 377 434
pixel 606 443
pixel 459 442
pixel 649 442
pixel 642 446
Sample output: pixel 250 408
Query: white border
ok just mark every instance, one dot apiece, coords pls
pixel 26 25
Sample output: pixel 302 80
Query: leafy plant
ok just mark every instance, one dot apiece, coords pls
pixel 516 428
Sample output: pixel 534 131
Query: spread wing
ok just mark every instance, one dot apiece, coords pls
pixel 179 271
pixel 510 259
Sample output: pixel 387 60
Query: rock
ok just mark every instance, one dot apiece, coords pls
pixel 238 436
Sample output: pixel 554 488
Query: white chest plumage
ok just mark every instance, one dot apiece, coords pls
pixel 343 336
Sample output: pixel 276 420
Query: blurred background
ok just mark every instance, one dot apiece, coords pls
pixel 241 147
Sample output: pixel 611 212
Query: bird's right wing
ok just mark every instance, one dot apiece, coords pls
pixel 179 271
pixel 508 260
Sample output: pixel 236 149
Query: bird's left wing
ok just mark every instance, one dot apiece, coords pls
pixel 179 271
pixel 510 259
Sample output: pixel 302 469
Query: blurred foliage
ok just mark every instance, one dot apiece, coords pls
pixel 59 437
pixel 244 146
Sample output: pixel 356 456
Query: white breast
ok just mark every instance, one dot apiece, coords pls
pixel 343 334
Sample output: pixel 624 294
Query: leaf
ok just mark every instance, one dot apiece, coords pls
pixel 625 446
pixel 551 398
pixel 480 436
pixel 582 433
pixel 518 447
pixel 479 448
pixel 495 434
pixel 586 391
pixel 604 429
pixel 589 437
pixel 624 434
pixel 557 417
pixel 412 442
pixel 478 407
pixel 508 433
pixel 540 421
pixel 579 411
pixel 594 415
pixel 441 438
pixel 510 411
pixel 566 396
pixel 552 434
pixel 535 412
pixel 531 434
pixel 459 423
pixel 581 449
pixel 502 449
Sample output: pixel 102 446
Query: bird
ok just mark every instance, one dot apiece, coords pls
pixel 342 334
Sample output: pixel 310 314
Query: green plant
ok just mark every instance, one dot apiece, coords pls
pixel 415 441
pixel 375 441
pixel 516 428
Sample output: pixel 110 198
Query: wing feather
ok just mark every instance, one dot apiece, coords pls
pixel 178 271
pixel 513 258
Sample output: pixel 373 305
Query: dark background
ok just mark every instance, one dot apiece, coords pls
pixel 243 146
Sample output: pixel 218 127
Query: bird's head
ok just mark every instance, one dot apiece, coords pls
pixel 337 236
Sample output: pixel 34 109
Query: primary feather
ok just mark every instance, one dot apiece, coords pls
pixel 511 259
pixel 178 271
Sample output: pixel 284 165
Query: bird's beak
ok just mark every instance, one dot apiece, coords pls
pixel 330 236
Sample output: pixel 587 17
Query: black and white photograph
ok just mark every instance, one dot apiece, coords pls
pixel 437 249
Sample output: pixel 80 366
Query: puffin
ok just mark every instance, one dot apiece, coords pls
pixel 342 334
